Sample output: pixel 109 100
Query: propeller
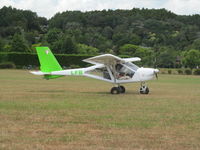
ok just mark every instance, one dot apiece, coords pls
pixel 156 73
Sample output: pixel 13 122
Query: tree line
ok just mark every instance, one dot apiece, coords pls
pixel 160 37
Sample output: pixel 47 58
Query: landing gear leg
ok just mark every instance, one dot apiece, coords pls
pixel 117 90
pixel 144 89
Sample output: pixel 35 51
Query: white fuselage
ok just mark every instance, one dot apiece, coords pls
pixel 140 75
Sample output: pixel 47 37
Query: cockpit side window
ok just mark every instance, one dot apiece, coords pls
pixel 123 72
pixel 100 72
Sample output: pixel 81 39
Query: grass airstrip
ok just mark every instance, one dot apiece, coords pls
pixel 80 113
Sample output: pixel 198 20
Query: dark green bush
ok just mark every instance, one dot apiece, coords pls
pixel 3 57
pixel 196 72
pixel 74 66
pixel 180 71
pixel 169 72
pixel 188 71
pixel 7 65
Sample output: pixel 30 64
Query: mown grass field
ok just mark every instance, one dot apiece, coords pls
pixel 80 113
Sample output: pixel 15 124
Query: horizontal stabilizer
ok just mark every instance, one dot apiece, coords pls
pixel 46 74
pixel 39 73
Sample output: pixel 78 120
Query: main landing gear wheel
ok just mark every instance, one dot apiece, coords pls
pixel 122 89
pixel 115 90
pixel 118 90
pixel 144 89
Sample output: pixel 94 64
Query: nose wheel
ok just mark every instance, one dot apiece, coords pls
pixel 118 90
pixel 144 89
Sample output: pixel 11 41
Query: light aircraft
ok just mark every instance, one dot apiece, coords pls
pixel 105 67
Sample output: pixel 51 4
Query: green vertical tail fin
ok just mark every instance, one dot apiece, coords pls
pixel 48 62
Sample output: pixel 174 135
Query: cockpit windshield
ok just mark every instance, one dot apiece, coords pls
pixel 132 66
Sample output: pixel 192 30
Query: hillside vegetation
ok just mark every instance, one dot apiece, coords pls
pixel 160 37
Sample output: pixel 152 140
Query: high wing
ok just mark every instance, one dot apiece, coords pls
pixel 109 59
pixel 133 59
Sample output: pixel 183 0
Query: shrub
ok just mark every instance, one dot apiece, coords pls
pixel 7 65
pixel 188 71
pixel 163 72
pixel 196 72
pixel 180 71
pixel 74 66
pixel 169 72
pixel 30 67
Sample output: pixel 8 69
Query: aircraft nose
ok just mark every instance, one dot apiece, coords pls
pixel 156 70
pixel 147 73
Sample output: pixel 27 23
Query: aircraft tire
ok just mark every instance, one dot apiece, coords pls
pixel 144 90
pixel 147 91
pixel 122 89
pixel 115 90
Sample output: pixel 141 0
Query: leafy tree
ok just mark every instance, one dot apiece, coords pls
pixel 26 19
pixel 119 39
pixel 56 46
pixel 18 44
pixel 69 45
pixel 31 37
pixel 146 54
pixel 42 21
pixel 85 49
pixel 134 39
pixel 128 49
pixel 32 20
pixel 95 40
pixel 166 58
pixel 53 35
pixel 107 44
pixel 196 44
pixel 7 48
pixel 1 45
pixel 150 39
pixel 108 32
pixel 191 58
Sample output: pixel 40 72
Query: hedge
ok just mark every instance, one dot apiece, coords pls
pixel 196 72
pixel 7 65
pixel 188 71
pixel 26 59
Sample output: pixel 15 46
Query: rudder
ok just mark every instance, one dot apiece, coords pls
pixel 48 62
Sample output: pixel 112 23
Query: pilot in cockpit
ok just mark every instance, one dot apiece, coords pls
pixel 120 70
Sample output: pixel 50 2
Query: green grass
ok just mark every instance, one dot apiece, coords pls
pixel 80 113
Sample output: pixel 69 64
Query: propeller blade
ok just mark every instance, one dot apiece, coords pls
pixel 156 73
